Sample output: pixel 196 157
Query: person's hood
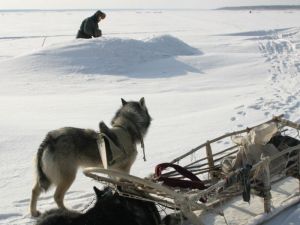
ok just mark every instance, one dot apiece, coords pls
pixel 97 14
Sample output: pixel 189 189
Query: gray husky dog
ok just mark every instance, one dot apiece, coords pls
pixel 64 150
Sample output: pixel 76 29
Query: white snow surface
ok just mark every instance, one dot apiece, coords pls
pixel 109 56
pixel 202 73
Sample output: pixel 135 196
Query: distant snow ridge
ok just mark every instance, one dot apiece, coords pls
pixel 263 7
pixel 104 56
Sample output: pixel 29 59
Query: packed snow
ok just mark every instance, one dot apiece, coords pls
pixel 202 73
pixel 111 56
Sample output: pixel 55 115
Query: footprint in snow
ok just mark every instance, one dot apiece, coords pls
pixel 242 113
pixel 239 107
pixel 256 107
pixel 9 215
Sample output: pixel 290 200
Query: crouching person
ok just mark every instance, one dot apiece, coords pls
pixel 89 27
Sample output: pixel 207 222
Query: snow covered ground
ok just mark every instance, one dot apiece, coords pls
pixel 201 72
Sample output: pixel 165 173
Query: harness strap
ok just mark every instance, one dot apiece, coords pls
pixel 139 134
pixel 193 183
pixel 143 147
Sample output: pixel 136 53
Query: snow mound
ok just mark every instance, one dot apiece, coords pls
pixel 103 56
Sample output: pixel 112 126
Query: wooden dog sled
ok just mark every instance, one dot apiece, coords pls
pixel 220 193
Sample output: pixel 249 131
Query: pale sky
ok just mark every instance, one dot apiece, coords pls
pixel 117 4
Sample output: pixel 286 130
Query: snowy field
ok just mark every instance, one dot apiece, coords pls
pixel 202 73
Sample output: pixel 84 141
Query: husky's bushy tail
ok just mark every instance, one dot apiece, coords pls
pixel 42 179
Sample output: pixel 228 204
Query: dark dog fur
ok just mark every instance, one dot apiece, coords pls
pixel 282 142
pixel 109 209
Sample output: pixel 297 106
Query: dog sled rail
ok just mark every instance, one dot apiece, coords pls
pixel 209 163
pixel 205 145
pixel 219 188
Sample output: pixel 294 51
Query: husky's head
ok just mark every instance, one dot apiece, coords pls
pixel 133 113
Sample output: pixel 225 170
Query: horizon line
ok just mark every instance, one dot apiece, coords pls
pixel 192 9
pixel 87 9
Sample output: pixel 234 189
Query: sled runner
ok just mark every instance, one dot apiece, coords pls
pixel 260 161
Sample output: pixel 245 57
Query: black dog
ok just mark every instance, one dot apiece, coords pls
pixel 283 142
pixel 110 209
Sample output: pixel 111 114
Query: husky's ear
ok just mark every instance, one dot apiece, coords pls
pixel 123 102
pixel 98 192
pixel 142 102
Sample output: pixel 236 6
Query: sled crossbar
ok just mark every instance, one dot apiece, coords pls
pixel 275 119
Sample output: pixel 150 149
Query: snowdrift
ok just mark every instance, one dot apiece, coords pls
pixel 102 56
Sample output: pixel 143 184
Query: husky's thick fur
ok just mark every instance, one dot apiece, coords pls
pixel 64 150
pixel 109 209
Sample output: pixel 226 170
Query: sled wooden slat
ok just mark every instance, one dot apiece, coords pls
pixel 136 180
pixel 286 151
pixel 218 153
pixel 104 179
pixel 226 150
pixel 274 119
pixel 210 160
pixel 216 160
pixel 287 123
pixel 196 168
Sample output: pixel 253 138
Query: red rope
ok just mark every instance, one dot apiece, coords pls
pixel 193 183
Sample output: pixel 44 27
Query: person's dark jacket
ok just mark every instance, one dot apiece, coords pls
pixel 89 27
